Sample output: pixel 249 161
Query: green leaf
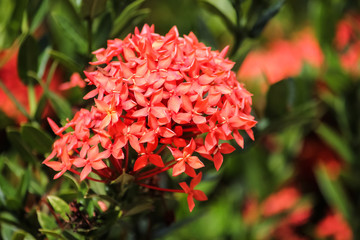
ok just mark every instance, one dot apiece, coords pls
pixel 39 14
pixel 66 61
pixel 60 105
pixel 20 235
pixel 92 8
pixel 333 192
pixel 10 23
pixel 60 206
pixel 28 59
pixel 46 221
pixel 264 18
pixel 17 142
pixel 36 138
pixel 24 185
pixel 279 98
pixel 40 108
pixel 71 31
pixel 130 12
pixel 103 30
pixel 231 26
pixel 335 141
pixel 138 209
pixel 52 234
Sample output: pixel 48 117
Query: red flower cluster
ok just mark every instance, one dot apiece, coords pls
pixel 334 225
pixel 283 58
pixel 154 93
pixel 348 44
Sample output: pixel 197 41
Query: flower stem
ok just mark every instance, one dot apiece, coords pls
pixel 89 178
pixel 149 174
pixel 161 189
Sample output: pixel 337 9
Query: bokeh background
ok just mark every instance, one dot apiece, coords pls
pixel 299 179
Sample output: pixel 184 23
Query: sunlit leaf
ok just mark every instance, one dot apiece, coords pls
pixel 60 206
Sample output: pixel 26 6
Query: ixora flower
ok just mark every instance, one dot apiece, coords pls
pixel 155 96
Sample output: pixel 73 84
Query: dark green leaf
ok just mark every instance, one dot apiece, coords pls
pixel 138 209
pixel 17 142
pixel 279 98
pixel 66 61
pixel 60 206
pixel 264 18
pixel 103 31
pixel 130 12
pixel 36 138
pixel 60 105
pixel 24 185
pixel 92 8
pixel 40 107
pixel 28 59
pixel 71 31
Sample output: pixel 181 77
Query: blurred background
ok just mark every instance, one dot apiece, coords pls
pixel 299 179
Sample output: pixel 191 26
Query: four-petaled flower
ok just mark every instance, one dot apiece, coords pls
pixel 192 193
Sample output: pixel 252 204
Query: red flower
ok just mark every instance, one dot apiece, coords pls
pixel 333 225
pixel 192 193
pixel 281 201
pixel 184 159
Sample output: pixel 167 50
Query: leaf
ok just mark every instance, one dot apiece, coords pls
pixel 60 105
pixel 277 106
pixel 92 8
pixel 336 141
pixel 60 206
pixel 138 209
pixel 333 192
pixel 20 235
pixel 71 31
pixel 10 27
pixel 36 138
pixel 264 18
pixel 40 108
pixel 17 142
pixel 102 31
pixel 66 61
pixel 39 13
pixel 129 12
pixel 52 234
pixel 215 10
pixel 28 59
pixel 24 186
pixel 46 221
